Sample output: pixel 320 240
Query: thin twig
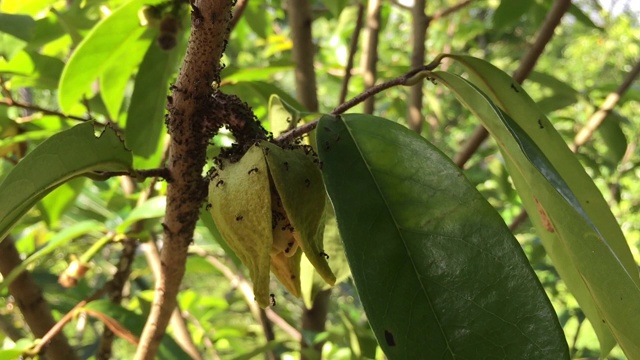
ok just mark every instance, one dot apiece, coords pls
pixel 12 103
pixel 525 67
pixel 237 13
pixel 139 175
pixel 5 91
pixel 57 328
pixel 353 47
pixel 418 50
pixel 404 79
pixel 450 10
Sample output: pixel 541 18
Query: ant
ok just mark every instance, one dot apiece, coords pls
pixel 255 169
pixel 208 207
pixel 307 182
pixel 273 299
pixel 326 256
pixel 239 218
pixel 221 182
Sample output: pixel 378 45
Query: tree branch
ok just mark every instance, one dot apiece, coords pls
pixel 353 47
pixel 370 51
pixel 12 103
pixel 527 63
pixel 419 37
pixel 195 115
pixel 406 79
pixel 32 305
pixel 450 10
pixel 300 20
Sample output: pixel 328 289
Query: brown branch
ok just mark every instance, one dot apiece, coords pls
pixel 300 20
pixel 527 63
pixel 406 79
pixel 370 51
pixel 32 304
pixel 178 324
pixel 450 10
pixel 12 103
pixel 195 114
pixel 139 175
pixel 419 37
pixel 353 47
pixel 605 109
pixel 56 330
pixel 237 13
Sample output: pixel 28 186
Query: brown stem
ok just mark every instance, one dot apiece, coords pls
pixel 404 79
pixel 601 113
pixel 527 63
pixel 12 103
pixel 370 51
pixel 34 308
pixel 353 47
pixel 178 324
pixel 195 114
pixel 300 20
pixel 237 13
pixel 56 330
pixel 163 173
pixel 419 36
pixel 450 10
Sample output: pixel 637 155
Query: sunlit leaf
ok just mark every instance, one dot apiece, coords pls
pixel 60 158
pixel 578 230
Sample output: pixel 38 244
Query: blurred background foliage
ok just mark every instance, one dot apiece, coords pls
pixel 596 45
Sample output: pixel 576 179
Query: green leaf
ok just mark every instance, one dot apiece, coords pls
pixel 574 221
pixel 583 18
pixel 145 117
pixel 509 11
pixel 17 350
pixel 58 240
pixel 115 78
pixel 207 221
pixel 114 35
pixel 299 183
pixel 613 137
pixel 135 322
pixel 258 19
pixel 152 208
pixel 57 202
pixel 438 272
pixel 58 159
pixel 18 25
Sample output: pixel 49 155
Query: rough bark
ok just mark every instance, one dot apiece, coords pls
pixel 196 112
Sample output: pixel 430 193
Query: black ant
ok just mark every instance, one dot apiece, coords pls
pixel 255 169
pixel 513 86
pixel 221 182
pixel 540 124
pixel 208 207
pixel 307 182
pixel 326 256
pixel 239 218
pixel 289 246
pixel 286 166
pixel 273 299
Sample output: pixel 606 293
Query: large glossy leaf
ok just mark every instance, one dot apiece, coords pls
pixel 437 270
pixel 575 223
pixel 114 35
pixel 58 159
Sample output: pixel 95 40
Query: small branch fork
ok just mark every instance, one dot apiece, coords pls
pixel 408 78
